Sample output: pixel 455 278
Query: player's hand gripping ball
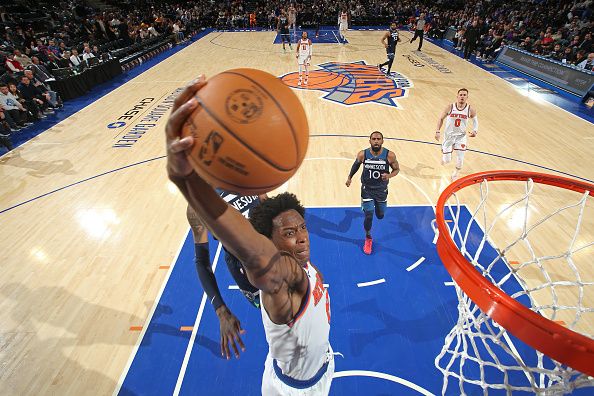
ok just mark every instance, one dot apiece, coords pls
pixel 250 132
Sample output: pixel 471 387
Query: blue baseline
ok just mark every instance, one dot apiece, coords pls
pixel 397 327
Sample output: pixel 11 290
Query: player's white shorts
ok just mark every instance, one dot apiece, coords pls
pixel 343 26
pixel 272 385
pixel 454 143
pixel 302 60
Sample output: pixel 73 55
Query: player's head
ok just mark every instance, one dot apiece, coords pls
pixel 462 95
pixel 304 35
pixel 393 26
pixel 280 218
pixel 376 139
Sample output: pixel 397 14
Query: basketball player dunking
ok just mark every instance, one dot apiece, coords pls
pixel 304 49
pixel 274 251
pixel 456 116
pixel 283 29
pixel 343 24
pixel 230 327
pixel 389 40
pixel 377 162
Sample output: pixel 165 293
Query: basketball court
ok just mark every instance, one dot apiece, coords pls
pixel 100 293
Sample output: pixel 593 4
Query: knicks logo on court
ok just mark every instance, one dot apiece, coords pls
pixel 354 83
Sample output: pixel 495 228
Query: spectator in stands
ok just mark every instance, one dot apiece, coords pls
pixel 40 71
pixel 152 31
pixel 579 57
pixel 87 54
pixel 11 106
pixel 527 44
pixel 54 99
pixel 32 94
pixel 568 56
pixel 33 111
pixel 51 47
pixel 556 53
pixel 23 59
pixel 13 66
pixel 586 45
pixel 588 63
pixel 66 56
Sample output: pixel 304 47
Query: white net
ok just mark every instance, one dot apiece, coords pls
pixel 536 243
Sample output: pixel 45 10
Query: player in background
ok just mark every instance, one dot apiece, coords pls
pixel 283 29
pixel 292 19
pixel 389 40
pixel 456 116
pixel 304 50
pixel 343 24
pixel 377 162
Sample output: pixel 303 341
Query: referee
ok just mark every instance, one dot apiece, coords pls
pixel 419 31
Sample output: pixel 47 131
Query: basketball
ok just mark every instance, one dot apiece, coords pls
pixel 250 132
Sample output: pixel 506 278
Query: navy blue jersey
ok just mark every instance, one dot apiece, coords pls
pixel 373 167
pixel 392 41
pixel 284 24
pixel 243 203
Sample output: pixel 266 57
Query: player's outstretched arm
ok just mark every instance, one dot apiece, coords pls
pixel 229 325
pixel 358 161
pixel 256 252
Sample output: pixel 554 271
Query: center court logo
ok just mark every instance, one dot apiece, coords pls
pixel 354 83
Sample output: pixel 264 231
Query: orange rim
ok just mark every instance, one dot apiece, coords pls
pixel 566 346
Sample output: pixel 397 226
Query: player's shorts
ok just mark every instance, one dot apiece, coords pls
pixel 239 276
pixel 454 143
pixel 343 26
pixel 274 383
pixel 285 35
pixel 372 198
pixel 302 60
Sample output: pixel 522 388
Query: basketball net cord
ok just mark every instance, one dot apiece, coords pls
pixel 477 350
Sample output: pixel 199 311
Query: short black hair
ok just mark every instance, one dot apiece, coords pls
pixel 463 89
pixel 262 215
pixel 374 132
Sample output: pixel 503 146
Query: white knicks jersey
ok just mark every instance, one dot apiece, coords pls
pixel 304 48
pixel 457 120
pixel 300 347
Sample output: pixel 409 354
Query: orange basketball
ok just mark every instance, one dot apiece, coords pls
pixel 250 132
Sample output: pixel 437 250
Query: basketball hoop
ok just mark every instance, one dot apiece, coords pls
pixel 507 285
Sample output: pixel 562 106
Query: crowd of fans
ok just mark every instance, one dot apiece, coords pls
pixel 39 38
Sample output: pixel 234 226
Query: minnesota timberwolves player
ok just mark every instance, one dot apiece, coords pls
pixel 389 40
pixel 283 29
pixel 230 327
pixel 377 162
